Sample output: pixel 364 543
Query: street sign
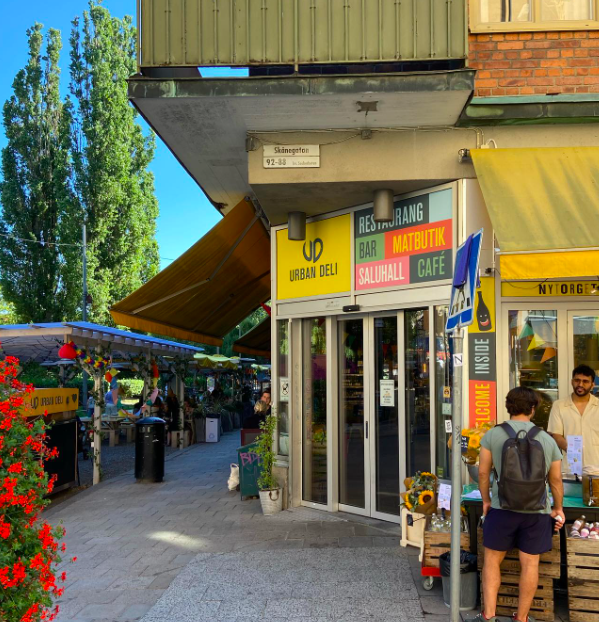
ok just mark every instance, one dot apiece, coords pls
pixel 461 307
pixel 291 156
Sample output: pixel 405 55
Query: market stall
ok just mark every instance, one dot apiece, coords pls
pixel 58 408
pixel 96 349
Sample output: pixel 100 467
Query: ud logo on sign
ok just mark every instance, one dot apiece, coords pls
pixel 314 255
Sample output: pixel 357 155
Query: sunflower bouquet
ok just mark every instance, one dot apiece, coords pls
pixel 471 438
pixel 420 495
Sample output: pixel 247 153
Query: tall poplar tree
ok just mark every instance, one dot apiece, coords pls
pixel 111 156
pixel 38 211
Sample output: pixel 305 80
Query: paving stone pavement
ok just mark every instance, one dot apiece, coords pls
pixel 188 549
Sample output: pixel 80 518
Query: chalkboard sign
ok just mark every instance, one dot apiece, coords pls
pixel 250 467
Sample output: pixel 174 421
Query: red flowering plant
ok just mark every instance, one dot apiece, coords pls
pixel 29 547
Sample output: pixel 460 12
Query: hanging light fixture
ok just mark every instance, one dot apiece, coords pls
pixel 383 205
pixel 297 226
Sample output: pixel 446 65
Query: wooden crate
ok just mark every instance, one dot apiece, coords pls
pixel 436 543
pixel 583 579
pixel 543 605
pixel 549 565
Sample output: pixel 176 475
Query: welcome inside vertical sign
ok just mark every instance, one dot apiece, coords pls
pixel 415 247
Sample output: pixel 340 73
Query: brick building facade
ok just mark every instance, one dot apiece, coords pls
pixel 535 63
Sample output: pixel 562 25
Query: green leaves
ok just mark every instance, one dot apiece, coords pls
pixel 82 157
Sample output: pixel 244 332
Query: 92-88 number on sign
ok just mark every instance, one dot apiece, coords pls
pixel 275 161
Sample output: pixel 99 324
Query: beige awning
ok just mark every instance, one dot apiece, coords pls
pixel 207 291
pixel 544 206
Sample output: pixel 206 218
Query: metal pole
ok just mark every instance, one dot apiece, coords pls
pixel 97 427
pixel 84 309
pixel 456 477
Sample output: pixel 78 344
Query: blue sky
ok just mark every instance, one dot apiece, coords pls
pixel 185 213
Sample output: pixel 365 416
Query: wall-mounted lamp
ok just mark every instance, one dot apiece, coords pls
pixel 297 226
pixel 383 205
pixel 464 156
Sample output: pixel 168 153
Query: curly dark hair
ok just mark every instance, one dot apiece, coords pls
pixel 521 401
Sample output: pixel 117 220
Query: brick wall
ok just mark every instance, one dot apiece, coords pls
pixel 536 63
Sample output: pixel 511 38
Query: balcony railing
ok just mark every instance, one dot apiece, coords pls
pixel 242 33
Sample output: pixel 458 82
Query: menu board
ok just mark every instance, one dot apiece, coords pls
pixel 414 247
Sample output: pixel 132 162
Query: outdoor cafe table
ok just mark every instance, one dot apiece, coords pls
pixel 113 425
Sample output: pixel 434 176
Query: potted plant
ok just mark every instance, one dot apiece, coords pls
pixel 271 495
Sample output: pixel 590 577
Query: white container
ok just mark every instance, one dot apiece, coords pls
pixel 413 535
pixel 271 501
pixel 212 430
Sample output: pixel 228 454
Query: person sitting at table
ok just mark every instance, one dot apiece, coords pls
pixel 111 407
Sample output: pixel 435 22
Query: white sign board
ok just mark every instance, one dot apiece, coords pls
pixel 387 391
pixel 284 389
pixel 575 454
pixel 291 156
pixel 444 496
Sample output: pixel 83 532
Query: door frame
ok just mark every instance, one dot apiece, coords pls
pixel 367 379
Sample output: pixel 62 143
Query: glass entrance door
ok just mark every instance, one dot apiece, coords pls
pixel 369 416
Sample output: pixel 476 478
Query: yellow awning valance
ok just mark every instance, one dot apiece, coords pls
pixel 540 201
pixel 207 291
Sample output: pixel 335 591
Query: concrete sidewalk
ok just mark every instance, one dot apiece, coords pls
pixel 188 549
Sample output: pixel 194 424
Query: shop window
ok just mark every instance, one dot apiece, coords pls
pixel 284 393
pixel 533 357
pixel 314 415
pixel 443 388
pixel 585 329
pixel 523 15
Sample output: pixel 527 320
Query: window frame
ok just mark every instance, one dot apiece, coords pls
pixel 536 25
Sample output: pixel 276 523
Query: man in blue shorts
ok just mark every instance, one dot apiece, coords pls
pixel 519 514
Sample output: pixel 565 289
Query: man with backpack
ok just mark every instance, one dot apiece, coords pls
pixel 523 459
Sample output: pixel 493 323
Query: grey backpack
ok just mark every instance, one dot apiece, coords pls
pixel 523 480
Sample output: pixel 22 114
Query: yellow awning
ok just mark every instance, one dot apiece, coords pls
pixel 256 342
pixel 544 206
pixel 207 291
pixel 217 361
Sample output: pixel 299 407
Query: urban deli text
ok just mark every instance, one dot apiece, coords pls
pixel 303 274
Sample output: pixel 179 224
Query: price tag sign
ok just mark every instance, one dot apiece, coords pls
pixel 448 428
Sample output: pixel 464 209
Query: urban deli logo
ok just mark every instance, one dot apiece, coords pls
pixel 313 255
pixel 312 251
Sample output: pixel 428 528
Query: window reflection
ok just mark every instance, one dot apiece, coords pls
pixel 443 385
pixel 533 356
pixel 314 428
pixel 284 386
pixel 586 343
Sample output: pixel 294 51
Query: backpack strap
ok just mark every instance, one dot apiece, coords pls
pixel 507 428
pixel 534 432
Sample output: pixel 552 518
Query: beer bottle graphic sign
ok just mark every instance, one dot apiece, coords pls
pixel 483 315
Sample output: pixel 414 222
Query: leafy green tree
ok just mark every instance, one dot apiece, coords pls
pixel 111 156
pixel 253 319
pixel 37 201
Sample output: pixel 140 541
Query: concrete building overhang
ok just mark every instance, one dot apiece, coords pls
pixel 205 121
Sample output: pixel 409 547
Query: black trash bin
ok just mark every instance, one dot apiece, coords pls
pixel 150 435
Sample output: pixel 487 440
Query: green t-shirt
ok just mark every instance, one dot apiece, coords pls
pixel 494 440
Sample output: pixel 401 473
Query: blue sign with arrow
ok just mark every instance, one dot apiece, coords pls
pixel 465 280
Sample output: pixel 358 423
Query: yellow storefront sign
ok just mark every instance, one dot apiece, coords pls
pixel 526 289
pixel 319 265
pixel 52 401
